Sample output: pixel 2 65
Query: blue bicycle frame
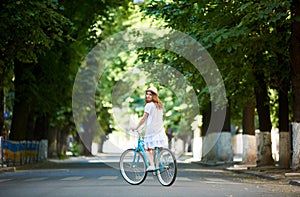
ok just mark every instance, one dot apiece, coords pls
pixel 140 148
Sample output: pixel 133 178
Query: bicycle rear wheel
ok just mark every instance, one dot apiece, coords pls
pixel 166 162
pixel 133 167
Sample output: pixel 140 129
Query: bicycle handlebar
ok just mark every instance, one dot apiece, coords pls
pixel 138 131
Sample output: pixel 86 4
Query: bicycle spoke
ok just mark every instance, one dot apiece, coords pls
pixel 167 164
pixel 132 167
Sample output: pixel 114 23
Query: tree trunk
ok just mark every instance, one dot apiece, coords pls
pixel 216 145
pixel 62 140
pixel 225 151
pixel 263 110
pixel 21 109
pixel 52 142
pixel 86 137
pixel 295 76
pixel 86 140
pixel 284 135
pixel 209 145
pixel 248 119
pixel 2 74
pixel 249 138
pixel 30 126
pixel 41 127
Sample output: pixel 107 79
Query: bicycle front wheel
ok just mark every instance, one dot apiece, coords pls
pixel 166 163
pixel 133 167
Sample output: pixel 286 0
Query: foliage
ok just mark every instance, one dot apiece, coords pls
pixel 76 149
pixel 28 28
pixel 51 37
pixel 241 36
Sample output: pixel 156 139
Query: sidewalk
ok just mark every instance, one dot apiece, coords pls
pixel 287 176
pixel 273 173
pixel 7 169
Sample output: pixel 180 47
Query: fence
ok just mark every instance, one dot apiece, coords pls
pixel 22 152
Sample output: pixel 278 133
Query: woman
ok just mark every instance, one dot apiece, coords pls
pixel 153 115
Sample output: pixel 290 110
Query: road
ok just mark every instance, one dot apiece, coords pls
pixel 99 179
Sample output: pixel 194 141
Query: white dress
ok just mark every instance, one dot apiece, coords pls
pixel 155 134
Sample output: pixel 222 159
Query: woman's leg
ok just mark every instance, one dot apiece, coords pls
pixel 150 155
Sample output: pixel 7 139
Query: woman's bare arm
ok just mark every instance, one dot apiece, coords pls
pixel 143 119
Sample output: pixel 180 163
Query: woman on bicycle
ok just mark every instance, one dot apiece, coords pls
pixel 153 116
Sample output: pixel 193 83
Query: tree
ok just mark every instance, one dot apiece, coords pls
pixel 28 29
pixel 88 19
pixel 236 33
pixel 43 42
pixel 295 67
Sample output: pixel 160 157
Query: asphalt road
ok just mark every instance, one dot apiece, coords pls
pixel 99 179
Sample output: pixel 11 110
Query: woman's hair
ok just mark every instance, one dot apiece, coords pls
pixel 156 101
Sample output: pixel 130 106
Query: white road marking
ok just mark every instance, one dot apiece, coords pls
pixel 108 178
pixel 72 178
pixel 218 181
pixel 4 180
pixel 183 179
pixel 36 179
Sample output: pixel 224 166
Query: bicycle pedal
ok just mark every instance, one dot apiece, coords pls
pixel 156 172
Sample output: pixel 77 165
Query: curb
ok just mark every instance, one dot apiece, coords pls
pixel 8 169
pixel 295 183
pixel 267 177
pixel 264 176
pixel 245 170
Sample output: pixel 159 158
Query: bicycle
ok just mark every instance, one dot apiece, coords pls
pixel 133 164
